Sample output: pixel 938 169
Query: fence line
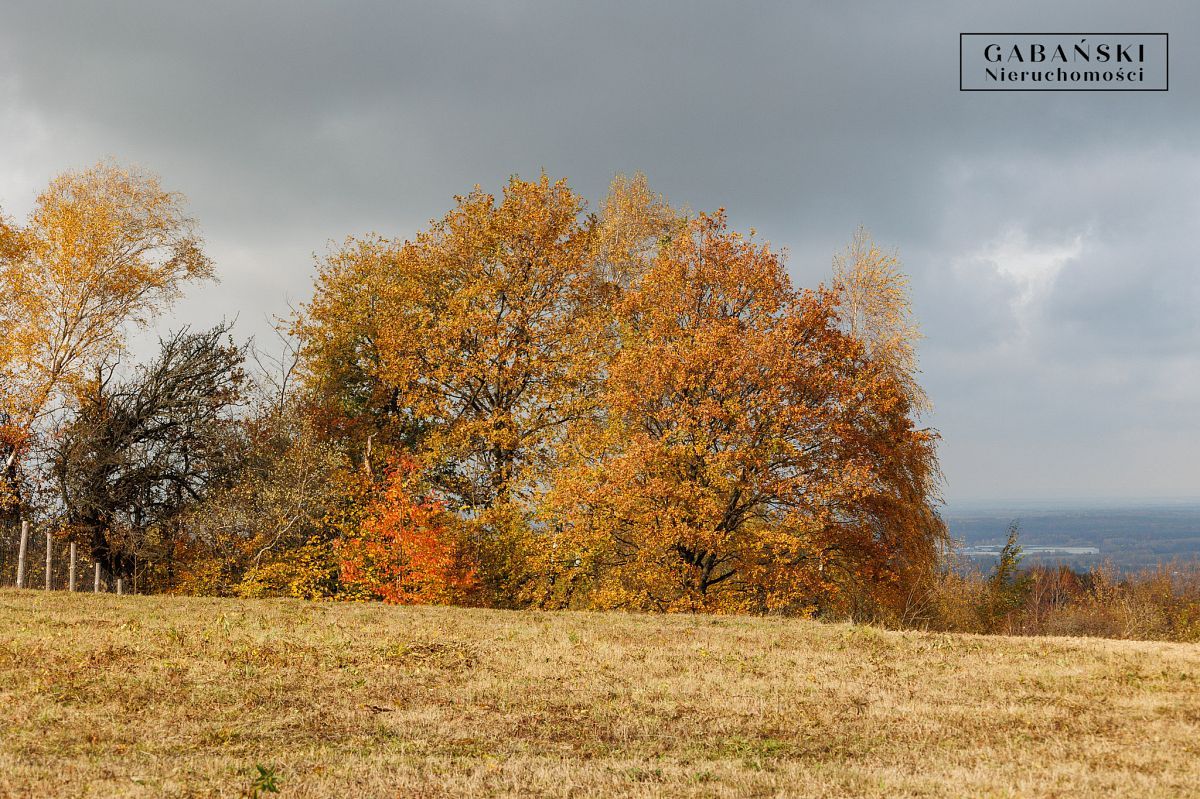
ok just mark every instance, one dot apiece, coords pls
pixel 60 568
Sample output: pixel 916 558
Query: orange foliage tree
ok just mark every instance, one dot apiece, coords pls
pixel 738 454
pixel 406 551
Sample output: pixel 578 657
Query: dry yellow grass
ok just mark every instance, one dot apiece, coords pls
pixel 160 696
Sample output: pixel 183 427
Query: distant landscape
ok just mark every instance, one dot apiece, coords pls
pixel 1130 536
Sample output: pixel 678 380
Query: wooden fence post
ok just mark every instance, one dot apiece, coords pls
pixel 96 587
pixel 71 570
pixel 48 562
pixel 119 588
pixel 21 554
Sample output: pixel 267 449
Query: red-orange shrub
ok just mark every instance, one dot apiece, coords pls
pixel 407 551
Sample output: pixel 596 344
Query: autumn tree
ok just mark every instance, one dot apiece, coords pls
pixel 483 334
pixel 104 248
pixel 491 337
pixel 734 450
pixel 874 309
pixel 341 363
pixel 12 436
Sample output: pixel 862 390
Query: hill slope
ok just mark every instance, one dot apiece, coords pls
pixel 153 696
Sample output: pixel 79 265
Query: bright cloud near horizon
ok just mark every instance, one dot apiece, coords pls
pixel 1049 236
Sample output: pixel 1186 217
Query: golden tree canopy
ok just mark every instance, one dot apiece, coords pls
pixel 103 249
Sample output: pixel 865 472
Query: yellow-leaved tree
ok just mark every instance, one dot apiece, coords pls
pixel 103 249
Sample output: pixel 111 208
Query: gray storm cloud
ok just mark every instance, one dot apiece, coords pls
pixel 1049 236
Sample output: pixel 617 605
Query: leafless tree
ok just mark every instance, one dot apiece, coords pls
pixel 137 453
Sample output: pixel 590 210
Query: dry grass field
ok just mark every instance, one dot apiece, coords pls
pixel 162 696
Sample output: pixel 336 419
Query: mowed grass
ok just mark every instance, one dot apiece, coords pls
pixel 166 696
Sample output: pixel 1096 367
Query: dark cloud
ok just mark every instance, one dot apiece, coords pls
pixel 1048 235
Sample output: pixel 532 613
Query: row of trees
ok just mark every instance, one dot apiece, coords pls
pixel 526 404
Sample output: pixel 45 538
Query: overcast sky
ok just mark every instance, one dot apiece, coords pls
pixel 1051 237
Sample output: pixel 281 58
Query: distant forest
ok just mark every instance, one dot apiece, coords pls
pixel 1130 537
